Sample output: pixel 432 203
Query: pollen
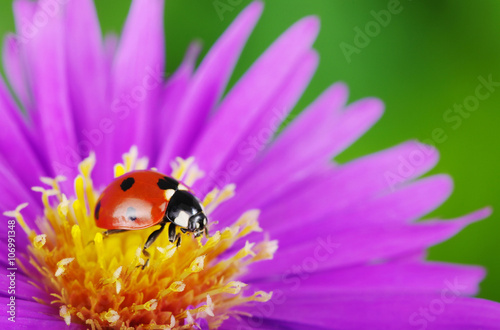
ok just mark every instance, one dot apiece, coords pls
pixel 103 281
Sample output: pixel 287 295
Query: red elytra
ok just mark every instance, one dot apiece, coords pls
pixel 142 199
pixel 135 200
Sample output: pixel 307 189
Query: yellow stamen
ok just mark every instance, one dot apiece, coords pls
pixel 103 285
pixel 61 265
pixel 129 159
pixel 17 215
pixel 217 197
pixel 39 241
pixel 210 306
pixel 63 207
pixel 189 319
pixel 167 252
pixel 65 313
pixel 119 170
pixel 111 316
pixel 151 305
pixel 180 167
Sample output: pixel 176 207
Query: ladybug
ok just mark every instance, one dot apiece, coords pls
pixel 143 199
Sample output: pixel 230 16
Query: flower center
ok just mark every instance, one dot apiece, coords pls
pixel 100 282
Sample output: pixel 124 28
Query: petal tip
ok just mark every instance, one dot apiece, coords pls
pixel 256 6
pixel 370 105
pixel 445 181
pixel 253 11
pixel 310 24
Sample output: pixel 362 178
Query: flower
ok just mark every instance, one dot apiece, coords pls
pixel 346 248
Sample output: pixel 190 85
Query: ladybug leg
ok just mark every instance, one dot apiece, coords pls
pixel 171 232
pixel 112 231
pixel 172 235
pixel 151 239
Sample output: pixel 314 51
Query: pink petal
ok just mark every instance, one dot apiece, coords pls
pixel 87 69
pixel 15 70
pixel 349 184
pixel 382 311
pixel 394 209
pixel 409 278
pixel 208 85
pixel 138 72
pixel 368 244
pixel 173 94
pixel 247 100
pixel 45 59
pixel 14 136
pixel 260 134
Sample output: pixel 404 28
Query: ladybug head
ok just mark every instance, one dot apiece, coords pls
pixel 185 210
pixel 197 224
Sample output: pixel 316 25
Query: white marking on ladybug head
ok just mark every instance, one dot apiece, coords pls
pixel 169 193
pixel 182 187
pixel 182 219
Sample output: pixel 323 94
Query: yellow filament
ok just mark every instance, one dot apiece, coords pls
pixel 99 281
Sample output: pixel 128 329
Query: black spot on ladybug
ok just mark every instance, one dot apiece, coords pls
pixel 166 183
pixel 97 209
pixel 127 184
pixel 131 214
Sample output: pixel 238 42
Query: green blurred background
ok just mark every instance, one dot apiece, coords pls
pixel 427 59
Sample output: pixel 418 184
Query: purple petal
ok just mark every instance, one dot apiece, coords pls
pixel 49 85
pixel 267 123
pixel 409 278
pixel 349 184
pixel 246 323
pixel 87 71
pixel 246 101
pixel 208 85
pixel 23 15
pixel 331 136
pixel 15 70
pixel 32 323
pixel 14 193
pixel 304 128
pixel 14 137
pixel 408 203
pixel 33 310
pixel 307 129
pixel 327 105
pixel 447 310
pixel 369 244
pixel 402 206
pixel 24 290
pixel 138 71
pixel 173 95
pixel 110 46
